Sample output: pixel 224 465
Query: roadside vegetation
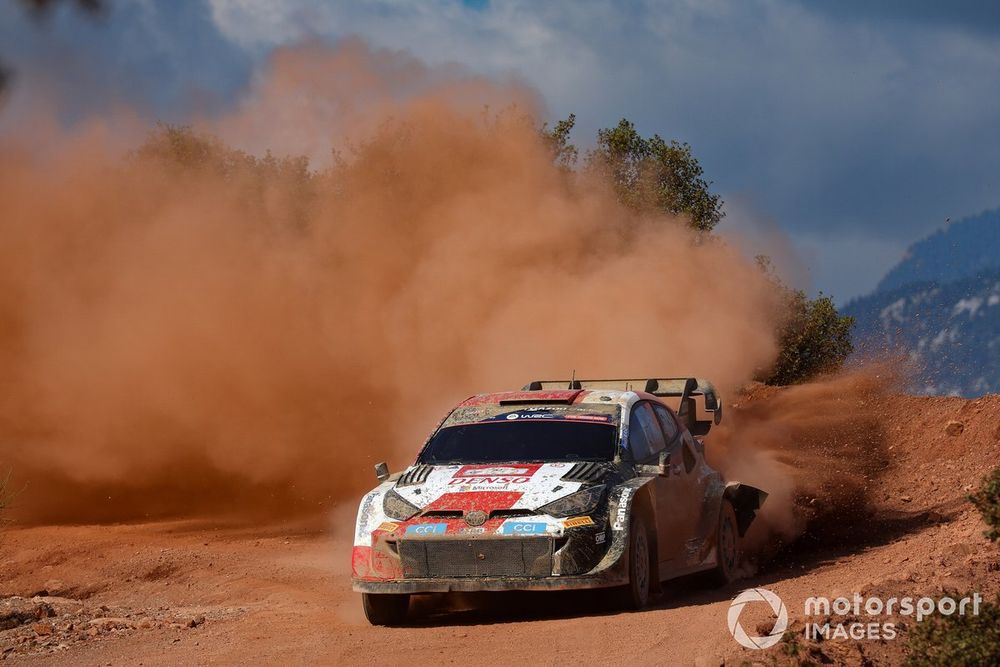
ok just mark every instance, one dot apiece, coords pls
pixel 968 640
pixel 957 641
pixel 987 501
pixel 813 338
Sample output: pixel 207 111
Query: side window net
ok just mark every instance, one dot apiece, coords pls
pixel 643 421
pixel 667 422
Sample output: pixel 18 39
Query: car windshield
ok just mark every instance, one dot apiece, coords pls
pixel 525 436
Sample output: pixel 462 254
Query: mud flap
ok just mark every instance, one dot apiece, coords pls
pixel 746 500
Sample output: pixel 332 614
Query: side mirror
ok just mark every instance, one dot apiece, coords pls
pixel 664 464
pixel 381 471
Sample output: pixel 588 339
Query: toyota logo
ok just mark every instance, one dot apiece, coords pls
pixel 475 518
pixel 757 595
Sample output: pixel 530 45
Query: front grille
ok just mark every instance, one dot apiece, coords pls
pixel 506 514
pixel 505 557
pixel 443 514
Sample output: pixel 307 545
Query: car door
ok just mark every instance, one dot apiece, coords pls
pixel 646 442
pixel 683 487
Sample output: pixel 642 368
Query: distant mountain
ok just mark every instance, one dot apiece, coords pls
pixel 940 306
pixel 959 250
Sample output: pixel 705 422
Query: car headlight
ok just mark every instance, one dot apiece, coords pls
pixel 397 507
pixel 583 501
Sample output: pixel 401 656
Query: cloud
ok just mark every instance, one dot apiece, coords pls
pixel 167 60
pixel 978 16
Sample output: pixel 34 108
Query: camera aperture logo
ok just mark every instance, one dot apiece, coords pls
pixel 757 595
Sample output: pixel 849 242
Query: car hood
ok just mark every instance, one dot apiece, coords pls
pixel 525 486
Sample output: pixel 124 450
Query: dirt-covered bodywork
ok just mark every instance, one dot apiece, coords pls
pixel 543 488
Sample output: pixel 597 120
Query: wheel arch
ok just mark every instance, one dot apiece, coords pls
pixel 645 509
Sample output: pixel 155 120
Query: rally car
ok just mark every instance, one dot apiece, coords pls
pixel 564 484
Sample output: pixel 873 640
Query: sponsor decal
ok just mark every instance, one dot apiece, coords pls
pixel 550 413
pixel 599 419
pixel 491 471
pixel 522 528
pixel 599 538
pixel 388 527
pixel 578 521
pixel 365 515
pixel 471 530
pixel 494 474
pixel 622 514
pixel 511 416
pixel 427 529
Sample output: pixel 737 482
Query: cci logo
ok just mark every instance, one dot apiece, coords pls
pixel 757 595
pixel 522 528
pixel 427 529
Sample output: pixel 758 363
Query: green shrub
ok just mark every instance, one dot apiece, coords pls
pixel 987 501
pixel 957 641
pixel 813 337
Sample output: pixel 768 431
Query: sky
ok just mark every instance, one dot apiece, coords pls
pixel 839 131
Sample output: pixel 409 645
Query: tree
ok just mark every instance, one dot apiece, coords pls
pixel 655 175
pixel 564 153
pixel 198 157
pixel 813 338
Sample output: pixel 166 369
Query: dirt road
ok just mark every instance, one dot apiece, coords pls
pixel 199 592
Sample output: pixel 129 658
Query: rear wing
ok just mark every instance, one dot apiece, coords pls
pixel 685 389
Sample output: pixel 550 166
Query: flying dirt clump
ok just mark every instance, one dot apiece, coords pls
pixel 191 329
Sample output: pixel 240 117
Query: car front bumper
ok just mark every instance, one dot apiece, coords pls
pixel 613 576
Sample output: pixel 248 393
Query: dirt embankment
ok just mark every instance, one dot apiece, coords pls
pixel 185 592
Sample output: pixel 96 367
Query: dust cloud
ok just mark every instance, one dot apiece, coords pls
pixel 816 448
pixel 180 340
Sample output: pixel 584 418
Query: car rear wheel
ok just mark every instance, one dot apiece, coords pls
pixel 635 595
pixel 728 547
pixel 385 608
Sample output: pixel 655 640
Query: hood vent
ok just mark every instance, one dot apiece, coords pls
pixel 585 471
pixel 413 476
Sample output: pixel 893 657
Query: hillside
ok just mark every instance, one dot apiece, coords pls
pixel 940 308
pixel 950 331
pixel 962 249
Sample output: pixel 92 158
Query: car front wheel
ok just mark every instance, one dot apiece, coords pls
pixel 728 547
pixel 636 594
pixel 385 608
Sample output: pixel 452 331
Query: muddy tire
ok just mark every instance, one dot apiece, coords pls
pixel 635 595
pixel 729 548
pixel 385 608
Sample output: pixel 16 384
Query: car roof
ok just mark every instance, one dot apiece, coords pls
pixel 564 396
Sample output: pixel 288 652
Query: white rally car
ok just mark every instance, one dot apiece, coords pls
pixel 564 484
